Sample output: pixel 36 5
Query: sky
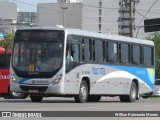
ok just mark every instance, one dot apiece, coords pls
pixel 30 5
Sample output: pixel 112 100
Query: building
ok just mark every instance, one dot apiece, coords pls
pixel 100 16
pixel 26 19
pixel 66 14
pixel 8 16
pixel 90 15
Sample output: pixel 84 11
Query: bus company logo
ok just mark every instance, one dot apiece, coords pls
pixel 6 114
pixel 5 77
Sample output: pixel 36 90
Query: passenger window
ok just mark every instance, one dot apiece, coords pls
pixel 147 55
pixel 136 55
pixel 112 52
pixel 86 51
pixel 124 53
pixel 98 51
pixel 75 52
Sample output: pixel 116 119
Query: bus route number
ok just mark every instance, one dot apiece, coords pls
pixel 98 71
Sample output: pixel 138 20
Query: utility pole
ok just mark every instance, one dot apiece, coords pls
pixel 127 17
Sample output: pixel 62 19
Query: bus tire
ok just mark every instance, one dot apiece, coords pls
pixel 93 98
pixel 132 96
pixel 138 97
pixel 16 95
pixel 83 93
pixel 36 98
pixel 6 96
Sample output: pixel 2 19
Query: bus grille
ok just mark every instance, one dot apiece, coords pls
pixel 40 88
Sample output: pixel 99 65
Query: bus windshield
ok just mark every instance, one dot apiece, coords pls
pixel 36 54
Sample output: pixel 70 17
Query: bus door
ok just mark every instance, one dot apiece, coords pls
pixel 72 55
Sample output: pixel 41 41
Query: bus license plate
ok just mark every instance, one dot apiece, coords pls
pixel 33 91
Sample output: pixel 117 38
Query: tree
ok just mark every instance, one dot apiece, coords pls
pixel 155 37
pixel 8 41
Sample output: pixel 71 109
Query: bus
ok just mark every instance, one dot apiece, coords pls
pixel 66 62
pixel 5 76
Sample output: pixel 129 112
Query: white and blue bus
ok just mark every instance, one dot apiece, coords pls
pixel 84 65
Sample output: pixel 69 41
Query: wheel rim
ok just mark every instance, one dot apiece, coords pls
pixel 83 92
pixel 16 94
pixel 133 92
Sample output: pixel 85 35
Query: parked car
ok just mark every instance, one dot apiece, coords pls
pixel 156 91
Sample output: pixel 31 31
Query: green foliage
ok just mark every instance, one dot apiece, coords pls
pixel 8 41
pixel 156 38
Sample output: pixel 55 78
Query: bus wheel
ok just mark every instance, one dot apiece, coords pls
pixel 93 98
pixel 6 96
pixel 132 96
pixel 138 97
pixel 83 93
pixel 36 98
pixel 16 95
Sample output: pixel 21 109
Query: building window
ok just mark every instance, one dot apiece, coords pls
pixel 99 27
pixel 100 4
pixel 100 12
pixel 100 19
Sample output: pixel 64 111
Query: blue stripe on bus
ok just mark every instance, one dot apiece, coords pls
pixel 145 74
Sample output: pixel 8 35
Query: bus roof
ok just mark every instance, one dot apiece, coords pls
pixel 72 31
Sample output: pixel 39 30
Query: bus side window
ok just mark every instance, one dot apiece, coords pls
pixel 136 54
pixel 86 49
pixel 75 52
pixel 68 54
pixel 112 52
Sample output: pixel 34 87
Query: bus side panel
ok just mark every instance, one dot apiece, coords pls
pixel 4 80
pixel 109 79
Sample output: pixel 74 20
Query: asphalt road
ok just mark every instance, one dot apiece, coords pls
pixel 68 104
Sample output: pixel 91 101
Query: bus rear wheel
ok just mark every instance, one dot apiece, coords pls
pixel 36 98
pixel 83 93
pixel 132 96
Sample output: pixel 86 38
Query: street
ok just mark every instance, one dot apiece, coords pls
pixel 68 104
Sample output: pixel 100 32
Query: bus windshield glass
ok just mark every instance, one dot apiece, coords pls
pixel 38 51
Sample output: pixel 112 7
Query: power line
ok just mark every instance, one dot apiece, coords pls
pixel 146 13
pixel 88 6
pixel 58 11
pixel 149 11
pixel 140 14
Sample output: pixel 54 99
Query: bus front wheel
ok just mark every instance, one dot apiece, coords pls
pixel 83 93
pixel 132 96
pixel 36 98
pixel 16 95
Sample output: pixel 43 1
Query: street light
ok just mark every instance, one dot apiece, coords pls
pixel 64 8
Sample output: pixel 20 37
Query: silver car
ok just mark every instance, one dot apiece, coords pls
pixel 156 91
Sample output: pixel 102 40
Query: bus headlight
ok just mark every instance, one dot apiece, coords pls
pixel 57 79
